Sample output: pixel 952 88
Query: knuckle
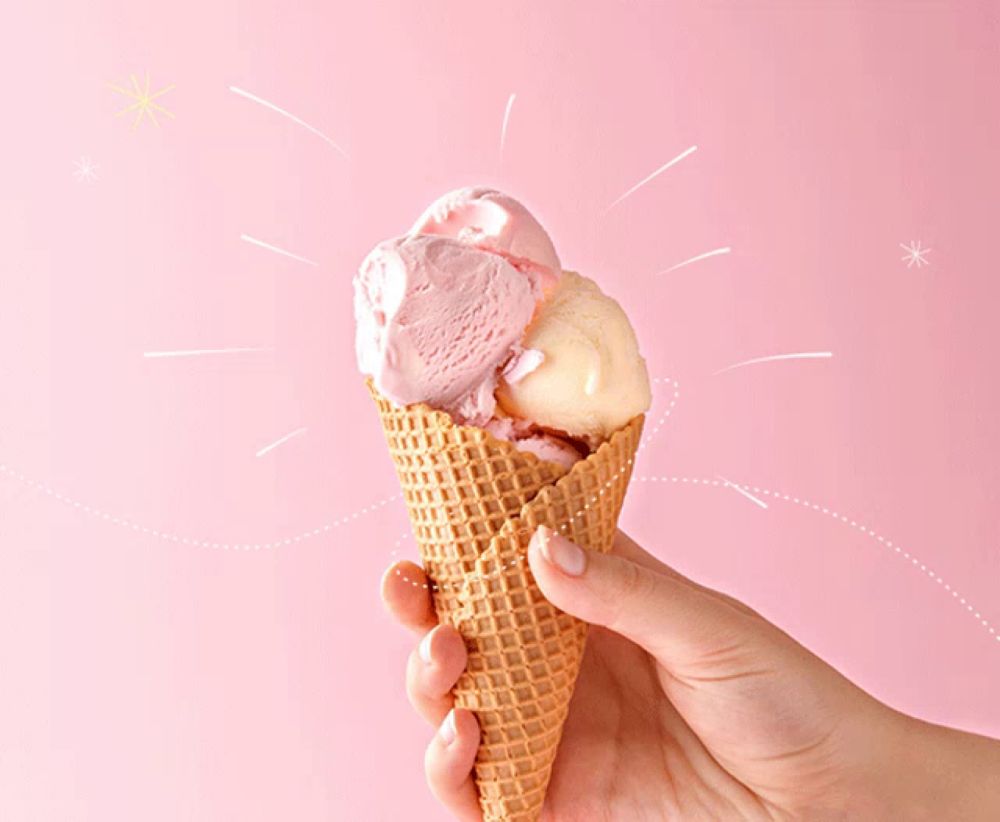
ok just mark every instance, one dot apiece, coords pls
pixel 414 686
pixel 631 583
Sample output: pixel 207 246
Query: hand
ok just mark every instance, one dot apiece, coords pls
pixel 689 705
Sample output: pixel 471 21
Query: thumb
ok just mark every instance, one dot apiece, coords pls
pixel 671 617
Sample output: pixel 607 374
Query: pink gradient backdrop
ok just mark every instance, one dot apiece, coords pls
pixel 144 678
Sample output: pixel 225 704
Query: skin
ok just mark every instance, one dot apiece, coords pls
pixel 690 705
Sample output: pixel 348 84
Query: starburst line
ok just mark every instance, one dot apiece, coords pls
pixel 742 491
pixel 506 120
pixel 86 170
pixel 197 352
pixel 143 101
pixel 280 441
pixel 277 250
pixel 652 176
pixel 713 253
pixel 915 254
pixel 289 115
pixel 802 355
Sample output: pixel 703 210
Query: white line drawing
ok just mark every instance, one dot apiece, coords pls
pixel 713 253
pixel 800 355
pixel 254 241
pixel 280 441
pixel 506 119
pixel 289 115
pixel 652 176
pixel 122 522
pixel 858 526
pixel 198 352
pixel 742 491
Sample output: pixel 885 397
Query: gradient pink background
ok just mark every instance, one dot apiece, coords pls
pixel 142 678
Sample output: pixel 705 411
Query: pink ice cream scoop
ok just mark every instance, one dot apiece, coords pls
pixel 496 222
pixel 436 319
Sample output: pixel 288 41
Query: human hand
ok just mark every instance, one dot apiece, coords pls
pixel 690 705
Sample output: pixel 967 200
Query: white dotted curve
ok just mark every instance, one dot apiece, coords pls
pixel 674 399
pixel 864 529
pixel 775 495
pixel 192 541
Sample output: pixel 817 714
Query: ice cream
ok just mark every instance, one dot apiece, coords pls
pixel 527 438
pixel 496 222
pixel 436 318
pixel 499 380
pixel 588 377
pixel 472 307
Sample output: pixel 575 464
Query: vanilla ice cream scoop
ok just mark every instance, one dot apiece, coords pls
pixel 584 374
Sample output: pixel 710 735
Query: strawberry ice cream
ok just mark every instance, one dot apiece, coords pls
pixel 473 305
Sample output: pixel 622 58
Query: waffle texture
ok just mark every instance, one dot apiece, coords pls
pixel 474 502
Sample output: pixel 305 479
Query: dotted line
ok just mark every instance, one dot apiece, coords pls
pixel 198 543
pixel 663 417
pixel 864 529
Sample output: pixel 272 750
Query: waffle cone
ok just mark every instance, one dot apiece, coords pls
pixel 474 501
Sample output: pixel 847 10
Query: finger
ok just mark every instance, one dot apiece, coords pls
pixel 432 671
pixel 671 617
pixel 407 596
pixel 448 765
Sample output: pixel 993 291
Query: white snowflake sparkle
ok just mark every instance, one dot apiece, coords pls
pixel 915 254
pixel 85 170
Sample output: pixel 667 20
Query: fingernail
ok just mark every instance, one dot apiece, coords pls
pixel 448 731
pixel 567 556
pixel 424 648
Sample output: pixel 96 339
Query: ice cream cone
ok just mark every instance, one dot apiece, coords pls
pixel 474 501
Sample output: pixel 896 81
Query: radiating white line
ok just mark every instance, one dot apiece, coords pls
pixel 739 490
pixel 506 119
pixel 289 115
pixel 196 352
pixel 277 250
pixel 713 253
pixel 280 441
pixel 652 176
pixel 802 355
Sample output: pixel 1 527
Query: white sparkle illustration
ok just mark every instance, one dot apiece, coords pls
pixel 915 254
pixel 85 170
pixel 143 105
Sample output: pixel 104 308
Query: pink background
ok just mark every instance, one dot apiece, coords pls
pixel 147 678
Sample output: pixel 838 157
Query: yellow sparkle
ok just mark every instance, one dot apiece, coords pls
pixel 143 104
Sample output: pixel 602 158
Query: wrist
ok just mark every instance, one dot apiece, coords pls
pixel 932 772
